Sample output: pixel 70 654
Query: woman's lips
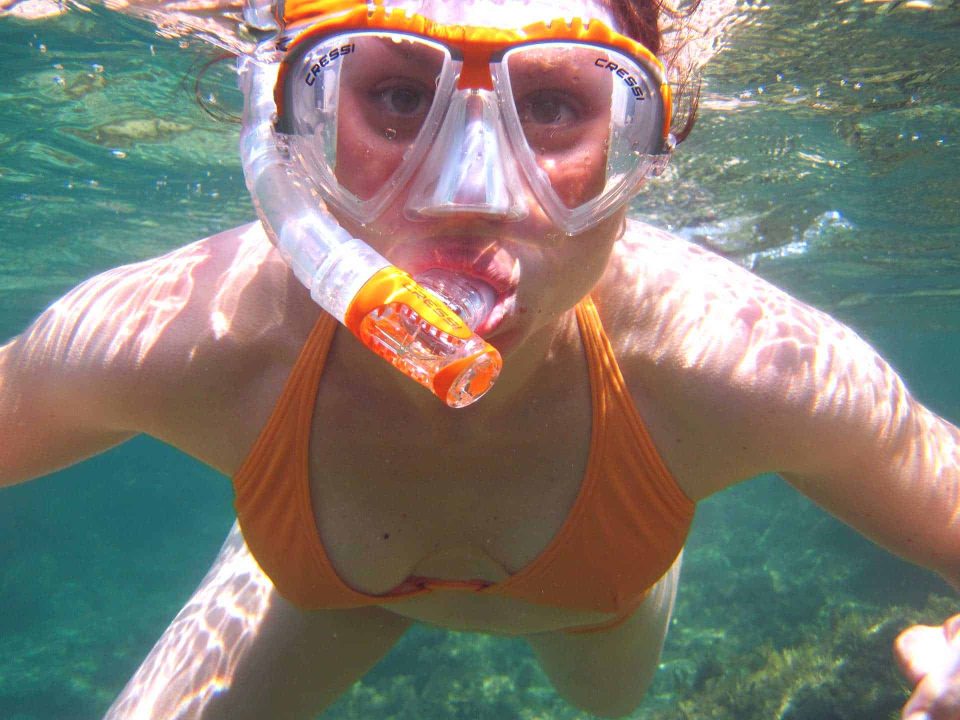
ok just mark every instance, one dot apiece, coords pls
pixel 470 298
pixel 480 259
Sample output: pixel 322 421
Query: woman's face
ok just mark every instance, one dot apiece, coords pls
pixel 536 271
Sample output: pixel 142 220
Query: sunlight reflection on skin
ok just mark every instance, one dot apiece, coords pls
pixel 251 256
pixel 120 315
pixel 112 296
pixel 197 656
pixel 240 651
pixel 128 328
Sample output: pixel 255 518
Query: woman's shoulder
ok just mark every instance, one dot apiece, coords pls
pixel 684 323
pixel 721 363
pixel 225 287
pixel 678 302
pixel 205 315
pixel 659 259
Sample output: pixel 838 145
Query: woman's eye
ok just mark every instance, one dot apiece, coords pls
pixel 547 108
pixel 405 100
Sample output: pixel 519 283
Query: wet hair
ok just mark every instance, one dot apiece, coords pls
pixel 199 72
pixel 641 20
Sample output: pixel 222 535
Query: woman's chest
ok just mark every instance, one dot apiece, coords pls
pixel 389 510
pixel 430 500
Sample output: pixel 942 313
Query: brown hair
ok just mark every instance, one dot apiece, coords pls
pixel 641 20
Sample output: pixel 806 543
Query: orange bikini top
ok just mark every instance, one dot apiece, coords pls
pixel 627 525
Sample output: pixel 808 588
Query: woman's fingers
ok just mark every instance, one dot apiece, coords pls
pixel 929 657
pixel 920 650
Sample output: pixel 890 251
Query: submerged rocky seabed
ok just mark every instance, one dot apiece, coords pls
pixel 842 671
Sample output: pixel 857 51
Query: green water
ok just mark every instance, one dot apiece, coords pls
pixel 827 157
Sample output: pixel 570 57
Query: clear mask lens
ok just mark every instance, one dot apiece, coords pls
pixel 589 119
pixel 574 125
pixel 356 106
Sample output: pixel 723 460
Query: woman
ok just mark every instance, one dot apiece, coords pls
pixel 640 375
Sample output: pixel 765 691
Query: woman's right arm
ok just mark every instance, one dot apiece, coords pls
pixel 94 369
pixel 55 408
pixel 176 347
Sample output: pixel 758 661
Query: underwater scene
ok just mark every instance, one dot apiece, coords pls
pixel 826 158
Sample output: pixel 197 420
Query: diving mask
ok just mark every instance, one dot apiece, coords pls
pixel 374 102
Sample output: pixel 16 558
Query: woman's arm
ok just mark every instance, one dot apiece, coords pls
pixel 95 368
pixel 55 409
pixel 866 450
pixel 770 384
pixel 749 380
pixel 767 384
pixel 238 650
pixel 860 445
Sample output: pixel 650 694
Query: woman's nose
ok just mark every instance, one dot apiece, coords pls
pixel 470 168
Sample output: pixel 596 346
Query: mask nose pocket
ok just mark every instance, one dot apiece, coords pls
pixel 470 168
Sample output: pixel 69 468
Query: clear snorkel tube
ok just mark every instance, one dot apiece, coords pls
pixel 414 326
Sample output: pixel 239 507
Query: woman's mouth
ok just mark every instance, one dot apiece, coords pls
pixel 488 276
pixel 472 299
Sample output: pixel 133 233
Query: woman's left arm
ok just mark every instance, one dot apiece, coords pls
pixel 871 454
pixel 906 495
pixel 889 467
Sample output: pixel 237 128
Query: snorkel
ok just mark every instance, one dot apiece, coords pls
pixel 422 328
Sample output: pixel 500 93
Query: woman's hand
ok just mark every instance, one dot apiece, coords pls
pixel 930 659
